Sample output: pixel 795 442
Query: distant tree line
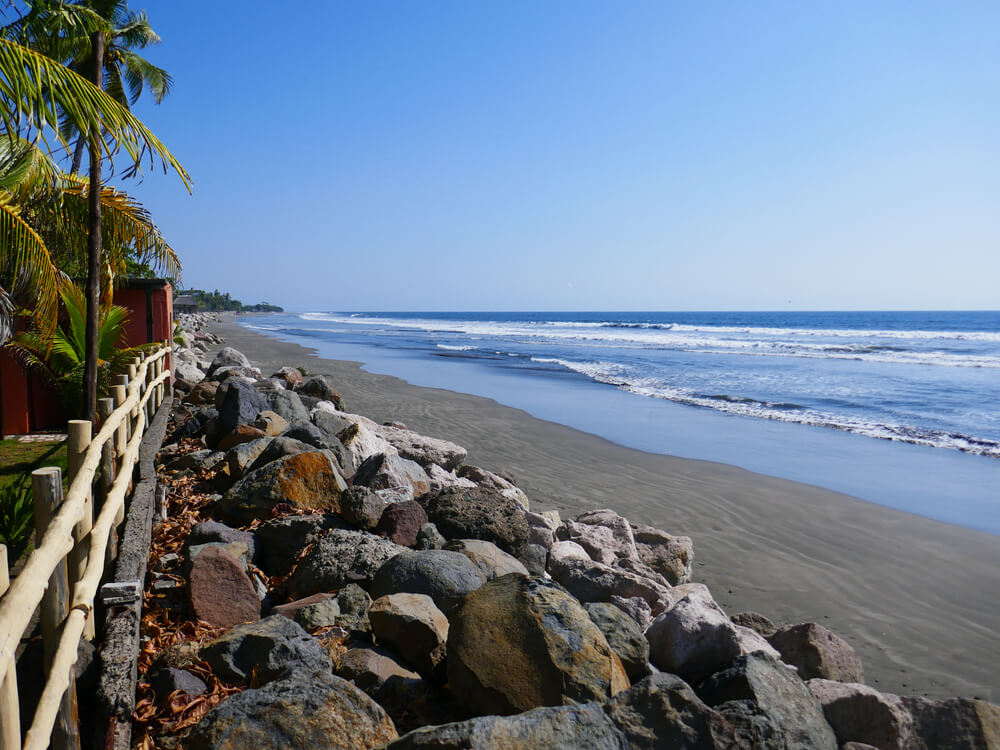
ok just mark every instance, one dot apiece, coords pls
pixel 216 301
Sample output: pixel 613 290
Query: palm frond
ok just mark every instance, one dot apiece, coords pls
pixel 26 271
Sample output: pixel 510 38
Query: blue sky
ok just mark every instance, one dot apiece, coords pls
pixel 583 155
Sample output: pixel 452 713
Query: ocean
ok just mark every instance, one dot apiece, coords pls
pixel 899 408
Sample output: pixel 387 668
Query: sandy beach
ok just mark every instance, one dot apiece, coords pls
pixel 918 599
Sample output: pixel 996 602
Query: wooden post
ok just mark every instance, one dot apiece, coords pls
pixel 46 484
pixel 108 465
pixel 133 369
pixel 119 391
pixel 169 390
pixel 80 432
pixel 10 708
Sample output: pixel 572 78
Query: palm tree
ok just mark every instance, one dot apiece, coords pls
pixel 32 89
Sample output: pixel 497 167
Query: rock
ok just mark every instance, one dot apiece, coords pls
pixel 248 375
pixel 197 460
pixel 305 481
pixel 241 433
pixel 567 550
pixel 189 372
pixel 670 556
pixel 591 581
pixel 271 423
pixel 203 393
pixel 239 404
pixel 694 638
pixel 779 693
pixel 193 426
pixel 291 609
pixel 624 637
pixel 954 724
pixel 240 458
pixel 237 550
pixel 295 714
pixel 489 558
pixel 324 614
pixel 169 680
pixel 227 357
pixel 280 541
pixel 400 522
pixel 331 422
pixel 361 507
pixel 518 643
pixel 635 607
pixel 429 537
pixel 221 593
pixel 583 727
pixel 362 440
pixel 444 576
pixel 308 433
pixel 414 627
pixel 489 480
pixel 384 471
pixel 339 558
pixel 288 405
pixel 479 514
pixel 370 668
pixel 290 376
pixel 603 534
pixel 755 622
pixel 317 387
pixel 440 479
pixel 274 648
pixel 422 449
pixel 277 448
pixel 542 536
pixel 817 652
pixel 662 711
pixel 858 713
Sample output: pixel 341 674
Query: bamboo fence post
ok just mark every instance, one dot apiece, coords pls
pixel 10 707
pixel 80 432
pixel 168 386
pixel 132 370
pixel 109 452
pixel 119 391
pixel 46 484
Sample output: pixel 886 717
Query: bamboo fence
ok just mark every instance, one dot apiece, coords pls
pixel 63 573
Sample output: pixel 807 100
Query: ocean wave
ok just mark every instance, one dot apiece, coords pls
pixel 617 375
pixel 450 348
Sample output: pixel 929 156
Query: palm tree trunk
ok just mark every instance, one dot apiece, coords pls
pixel 94 247
pixel 81 143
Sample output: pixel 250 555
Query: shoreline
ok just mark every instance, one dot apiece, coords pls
pixel 918 599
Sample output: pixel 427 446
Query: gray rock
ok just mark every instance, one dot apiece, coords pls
pixel 444 576
pixel 227 357
pixel 239 404
pixel 429 537
pixel 319 614
pixel 670 556
pixel 422 449
pixel 756 622
pixel 240 458
pixel 275 646
pixel 203 459
pixel 169 680
pixel 281 540
pixel 662 711
pixel 415 628
pixel 518 643
pixel 339 558
pixel 441 479
pixel 361 507
pixel 605 535
pixel 817 652
pixel 624 636
pixel 385 471
pixel 591 581
pixel 278 448
pixel 371 668
pixel 331 423
pixel 779 693
pixel 535 557
pixel 213 531
pixel 236 550
pixel 317 387
pixel 635 607
pixel 858 713
pixel 954 724
pixel 295 714
pixel 583 727
pixel 288 405
pixel 307 432
pixel 489 558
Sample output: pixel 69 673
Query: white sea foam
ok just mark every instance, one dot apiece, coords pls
pixel 455 348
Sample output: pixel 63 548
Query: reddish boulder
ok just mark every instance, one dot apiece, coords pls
pixel 221 593
pixel 401 522
pixel 242 433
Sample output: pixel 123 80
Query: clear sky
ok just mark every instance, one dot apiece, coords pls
pixel 516 155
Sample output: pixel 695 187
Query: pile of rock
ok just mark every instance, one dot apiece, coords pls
pixel 440 601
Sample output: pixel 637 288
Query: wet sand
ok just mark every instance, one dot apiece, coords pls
pixel 918 599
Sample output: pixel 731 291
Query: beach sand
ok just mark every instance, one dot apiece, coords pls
pixel 918 599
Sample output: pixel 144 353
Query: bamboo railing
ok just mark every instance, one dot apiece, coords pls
pixel 63 573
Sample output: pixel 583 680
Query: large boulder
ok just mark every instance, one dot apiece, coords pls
pixel 221 592
pixel 317 387
pixel 440 479
pixel 518 643
pixel 446 577
pixel 422 449
pixel 384 471
pixel 362 507
pixel 288 405
pixel 954 724
pixel 241 458
pixel 240 403
pixel 362 440
pixel 779 693
pixel 371 668
pixel 591 581
pixel 290 376
pixel 305 481
pixel 624 636
pixel 339 558
pixel 858 713
pixel 414 627
pixel 401 522
pixel 583 727
pixel 817 652
pixel 489 558
pixel 670 556
pixel 605 535
pixel 273 648
pixel 489 480
pixel 694 638
pixel 227 357
pixel 279 447
pixel 480 514
pixel 662 711
pixel 213 531
pixel 295 714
